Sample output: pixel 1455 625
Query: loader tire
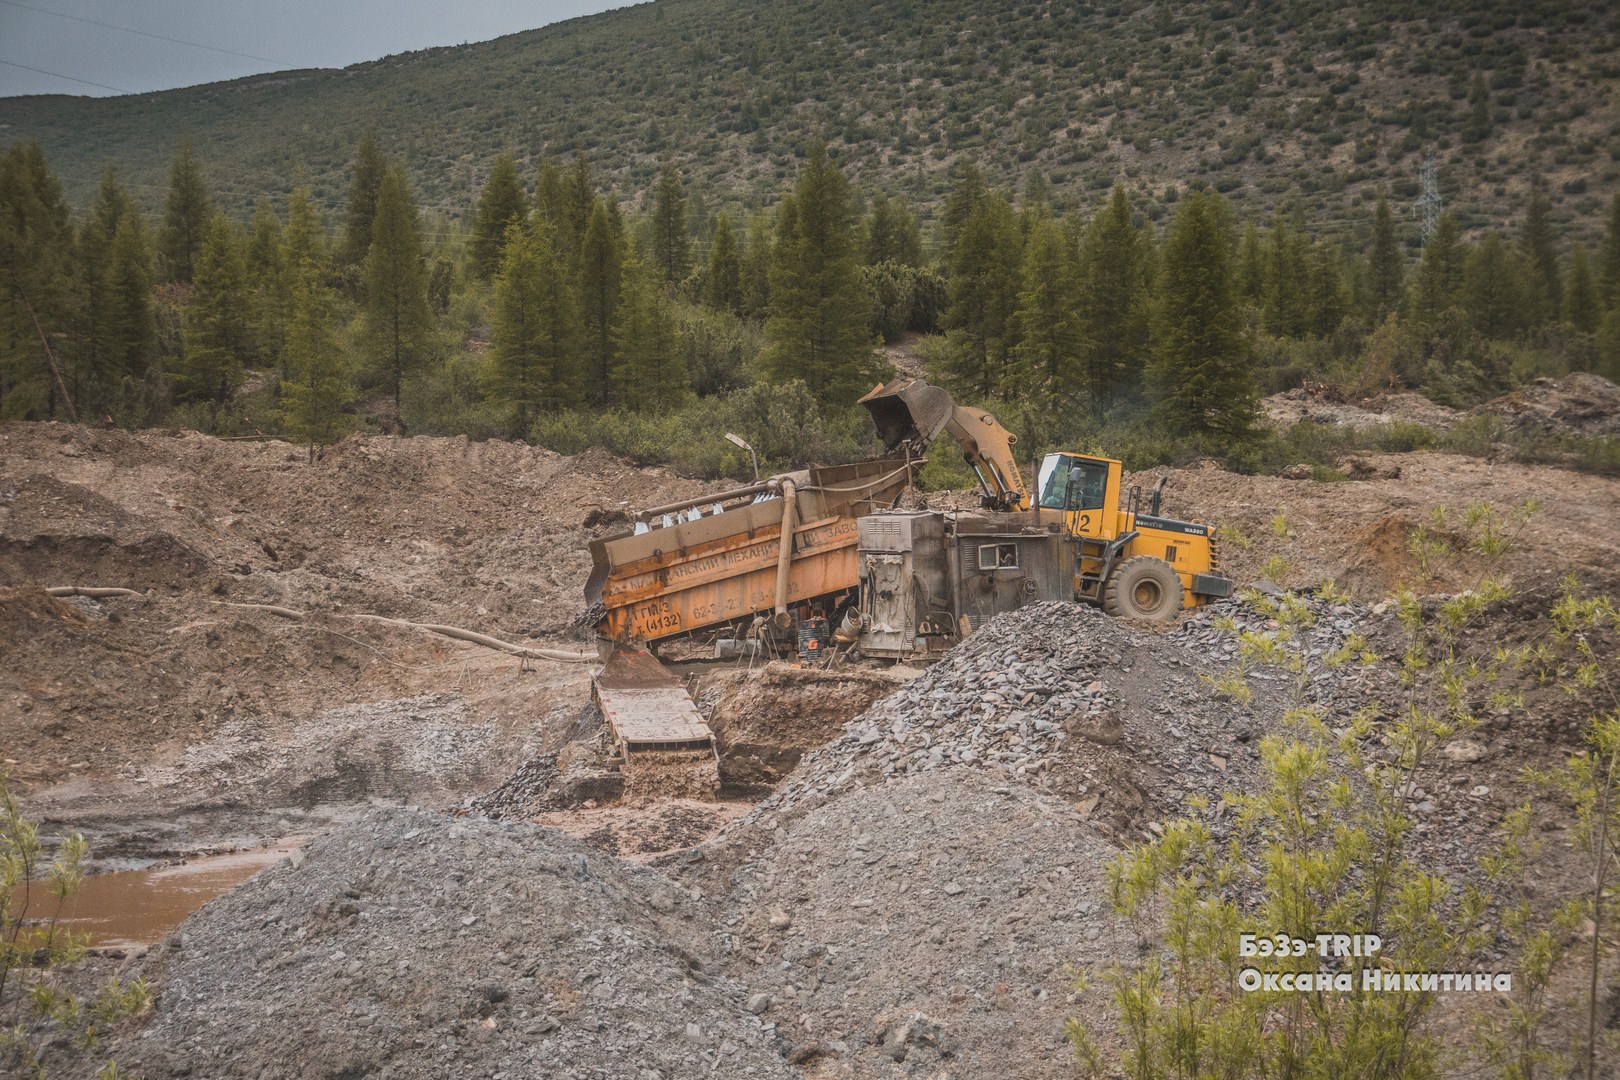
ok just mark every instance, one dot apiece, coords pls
pixel 1143 588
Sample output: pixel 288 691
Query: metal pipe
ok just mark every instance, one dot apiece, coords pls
pixel 784 555
pixel 703 500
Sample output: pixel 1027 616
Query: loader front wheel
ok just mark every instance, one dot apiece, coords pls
pixel 1143 588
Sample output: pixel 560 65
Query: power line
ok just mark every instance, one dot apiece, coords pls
pixel 142 33
pixel 59 75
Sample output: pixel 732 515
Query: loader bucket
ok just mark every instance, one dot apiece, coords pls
pixel 909 410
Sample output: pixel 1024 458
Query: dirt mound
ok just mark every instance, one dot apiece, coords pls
pixel 1578 404
pixel 1314 404
pixel 56 533
pixel 415 945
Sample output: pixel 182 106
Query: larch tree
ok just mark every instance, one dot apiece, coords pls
pixel 361 207
pixel 1284 313
pixel 186 216
pixel 817 328
pixel 1327 300
pixel 303 240
pixel 36 291
pixel 501 204
pixel 1437 286
pixel 317 384
pixel 1202 366
pixel 891 234
pixel 601 277
pixel 1495 287
pixel 671 233
pixel 217 333
pixel 398 324
pixel 724 284
pixel 756 266
pixel 1114 303
pixel 650 373
pixel 270 285
pixel 535 336
pixel 550 204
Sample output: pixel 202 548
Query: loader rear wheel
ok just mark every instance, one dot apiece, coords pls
pixel 1143 588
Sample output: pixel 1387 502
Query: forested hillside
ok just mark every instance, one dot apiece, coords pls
pixel 1302 104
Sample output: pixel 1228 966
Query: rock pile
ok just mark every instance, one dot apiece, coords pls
pixel 412 944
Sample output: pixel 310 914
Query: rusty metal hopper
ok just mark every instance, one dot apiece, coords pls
pixel 704 569
pixel 909 410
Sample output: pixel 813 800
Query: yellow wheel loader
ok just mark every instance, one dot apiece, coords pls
pixel 1129 559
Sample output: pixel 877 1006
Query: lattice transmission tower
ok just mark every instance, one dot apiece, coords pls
pixel 1429 202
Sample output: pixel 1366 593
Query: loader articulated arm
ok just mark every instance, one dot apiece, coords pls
pixel 911 411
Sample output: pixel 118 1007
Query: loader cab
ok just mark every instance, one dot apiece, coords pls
pixel 1085 489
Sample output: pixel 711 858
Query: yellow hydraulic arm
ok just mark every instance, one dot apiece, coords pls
pixel 912 411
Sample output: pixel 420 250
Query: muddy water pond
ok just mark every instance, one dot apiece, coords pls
pixel 132 908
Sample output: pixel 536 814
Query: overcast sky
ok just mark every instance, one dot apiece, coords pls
pixel 105 47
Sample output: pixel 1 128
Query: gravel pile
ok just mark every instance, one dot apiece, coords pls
pixel 413 944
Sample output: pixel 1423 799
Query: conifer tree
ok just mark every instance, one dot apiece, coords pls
pixel 724 285
pixel 550 205
pixel 650 373
pixel 983 284
pixel 217 335
pixel 1326 300
pixel 1385 265
pixel 1050 348
pixel 95 346
pixel 1250 279
pixel 1437 287
pixel 317 384
pixel 891 234
pixel 756 267
pixel 1202 366
pixel 185 216
pixel 817 327
pixel 968 192
pixel 1580 293
pixel 1494 288
pixel 361 208
pixel 1113 304
pixel 1608 277
pixel 397 321
pixel 501 204
pixel 36 293
pixel 1539 247
pixel 1285 308
pixel 270 284
pixel 534 354
pixel 129 321
pixel 578 200
pixel 601 279
pixel 303 240
pixel 1478 126
pixel 671 238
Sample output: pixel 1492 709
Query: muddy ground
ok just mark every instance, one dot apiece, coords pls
pixel 186 720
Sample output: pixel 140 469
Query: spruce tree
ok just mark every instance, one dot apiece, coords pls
pixel 317 383
pixel 185 217
pixel 601 278
pixel 891 234
pixel 968 192
pixel 129 321
pixel 1580 293
pixel 1326 299
pixel 95 345
pixel 1251 268
pixel 1285 307
pixel 650 373
pixel 535 336
pixel 756 267
pixel 1385 265
pixel 671 238
pixel 1494 288
pixel 1050 349
pixel 1113 304
pixel 397 321
pixel 501 204
pixel 36 287
pixel 217 335
pixel 983 280
pixel 361 208
pixel 578 200
pixel 550 204
pixel 1203 366
pixel 304 238
pixel 1437 287
pixel 724 285
pixel 1539 247
pixel 817 327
